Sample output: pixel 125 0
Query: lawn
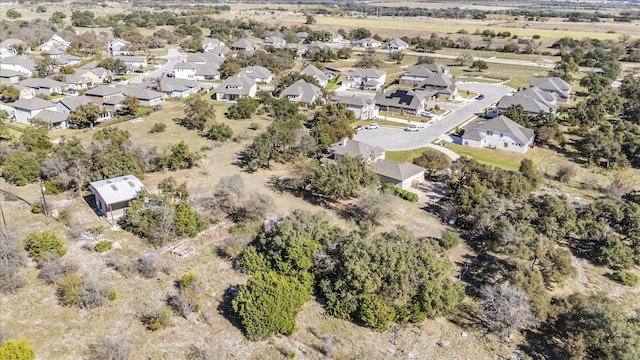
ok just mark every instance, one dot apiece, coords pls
pixel 502 159
pixel 405 155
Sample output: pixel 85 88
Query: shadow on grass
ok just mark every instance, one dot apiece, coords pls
pixel 226 309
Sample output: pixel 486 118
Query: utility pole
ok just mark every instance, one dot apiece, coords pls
pixel 44 200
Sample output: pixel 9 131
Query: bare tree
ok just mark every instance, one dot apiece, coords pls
pixel 117 348
pixel 507 307
pixel 53 268
pixel 256 208
pixel 229 193
pixel 12 258
pixel 371 205
pixel 94 291
pixel 151 263
pixel 122 264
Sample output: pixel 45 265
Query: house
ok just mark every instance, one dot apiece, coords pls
pixel 8 77
pixel 9 47
pixel 55 42
pixel 209 44
pixel 422 72
pixel 44 86
pixel 336 38
pixel 113 103
pixel 533 101
pixel 221 52
pixel 120 47
pixel 401 101
pixel 70 104
pixel 316 74
pixel 177 88
pixel 94 76
pixel 100 94
pixel 274 41
pixel 370 79
pixel 259 74
pixel 56 120
pixel 499 133
pixel 146 97
pixel 397 45
pixel 367 43
pixel 364 108
pixel 243 45
pixel 115 194
pixel 72 81
pixel 26 93
pixel 440 84
pixel 402 175
pixel 133 62
pixel 185 70
pixel 302 37
pixel 235 87
pixel 302 92
pixel 25 66
pixel 27 109
pixel 554 85
pixel 55 53
pixel 300 50
pixel 355 148
pixel 68 60
pixel 208 71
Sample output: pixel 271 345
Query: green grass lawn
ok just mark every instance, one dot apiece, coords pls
pixel 498 158
pixel 404 156
pixel 404 116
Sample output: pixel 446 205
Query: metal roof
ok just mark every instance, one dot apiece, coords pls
pixel 116 190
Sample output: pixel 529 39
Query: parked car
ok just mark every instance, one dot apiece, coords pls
pixel 480 97
pixel 426 114
pixel 359 127
pixel 413 127
pixel 372 126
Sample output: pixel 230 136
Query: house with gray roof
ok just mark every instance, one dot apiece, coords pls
pixel 75 82
pixel 94 75
pixel 9 77
pixel 178 88
pixel 367 43
pixel 8 47
pixel 27 109
pixel 221 52
pixel 370 79
pixel 499 133
pixel 401 101
pixel 316 73
pixel 417 74
pixel 302 37
pixel 70 104
pixel 55 42
pixel 25 66
pixel 355 148
pixel 68 60
pixel 259 74
pixel 235 87
pixel 533 101
pixel 100 94
pixel 397 44
pixel 185 70
pixel 274 41
pixel 302 92
pixel 44 86
pixel 146 97
pixel 363 107
pixel 244 45
pixel 209 44
pixel 133 62
pixel 556 86
pixel 403 175
pixel 120 47
pixel 441 84
pixel 113 195
pixel 55 120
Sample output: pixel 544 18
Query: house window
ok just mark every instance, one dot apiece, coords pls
pixel 489 132
pixel 506 144
pixel 501 135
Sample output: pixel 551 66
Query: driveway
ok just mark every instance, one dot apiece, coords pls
pixel 173 57
pixel 391 138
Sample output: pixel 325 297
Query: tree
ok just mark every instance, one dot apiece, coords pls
pixel 464 58
pixel 12 258
pixel 113 154
pixel 82 18
pixel 17 350
pixel 396 56
pixel 331 124
pixel 268 304
pixel 116 65
pixel 180 157
pixel 480 65
pixel 36 139
pixel 433 160
pixel 507 307
pixel 39 243
pixel 371 206
pixel 20 168
pixel 130 105
pixel 85 115
pixel 369 59
pixel 10 93
pixel 45 66
pixel 344 52
pixel 57 17
pixel 275 144
pixel 198 112
pixel 359 33
pixel 68 167
pixel 425 60
pixel 310 20
pixel 230 67
pixel 244 108
pixel 219 132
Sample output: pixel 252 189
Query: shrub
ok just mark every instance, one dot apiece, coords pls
pixel 112 294
pixel 449 240
pixel 158 128
pixel 566 172
pixel 189 297
pixel 69 290
pixel 219 132
pixel 255 126
pixel 12 258
pixel 151 263
pixel 401 193
pixel 122 264
pixel 36 207
pixel 85 292
pixel 110 349
pixel 157 319
pixel 626 277
pixel 52 268
pixel 38 243
pixel 103 246
pixel 17 350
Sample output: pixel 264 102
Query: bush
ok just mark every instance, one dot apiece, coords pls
pixel 103 246
pixel 36 207
pixel 401 193
pixel 69 290
pixel 255 126
pixel 157 319
pixel 626 278
pixel 449 240
pixel 244 108
pixel 52 268
pixel 151 263
pixel 38 243
pixel 566 172
pixel 122 264
pixel 110 349
pixel 158 128
pixel 20 168
pixel 85 292
pixel 112 295
pixel 17 350
pixel 189 297
pixel 219 132
pixel 12 258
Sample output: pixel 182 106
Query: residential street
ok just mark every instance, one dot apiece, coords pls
pixel 391 138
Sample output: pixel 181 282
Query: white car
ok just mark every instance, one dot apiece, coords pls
pixel 412 128
pixel 426 114
pixel 372 126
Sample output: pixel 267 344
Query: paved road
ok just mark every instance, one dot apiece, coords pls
pixel 173 57
pixel 391 138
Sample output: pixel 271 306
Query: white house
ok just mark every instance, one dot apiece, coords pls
pixel 120 47
pixel 44 86
pixel 27 109
pixel 244 45
pixel 26 66
pixel 8 47
pixel 274 41
pixel 371 79
pixel 397 45
pixel 367 43
pixel 209 44
pixel 364 108
pixel 178 88
pixel 70 104
pixel 235 87
pixel 259 74
pixel 355 148
pixel 316 74
pixel 133 62
pixel 8 77
pixel 56 120
pixel 146 97
pixel 499 133
pixel 115 194
pixel 55 43
pixel 185 71
pixel 302 92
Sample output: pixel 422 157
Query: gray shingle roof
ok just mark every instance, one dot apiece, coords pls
pixel 256 72
pixel 51 116
pixel 242 44
pixel 397 42
pixel 141 93
pixel 72 103
pixel 356 148
pixel 307 93
pixel 400 98
pixel 103 91
pixel 504 125
pixel 33 104
pixel 26 63
pixel 6 73
pixel 42 83
pixel 236 85
pixel 368 73
pixel 396 171
pixel 353 101
pixel 554 84
pixel 170 84
pixel 315 72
